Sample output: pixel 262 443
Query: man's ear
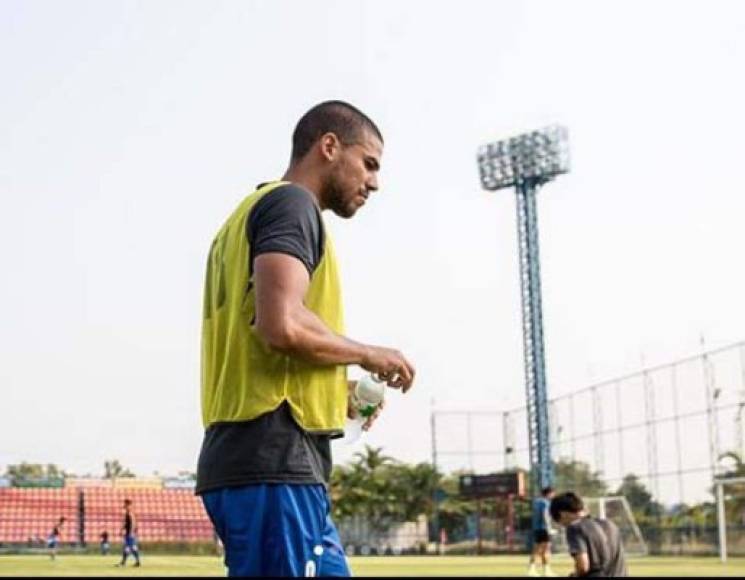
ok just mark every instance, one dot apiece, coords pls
pixel 329 146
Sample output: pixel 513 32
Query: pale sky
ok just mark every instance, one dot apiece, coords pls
pixel 130 130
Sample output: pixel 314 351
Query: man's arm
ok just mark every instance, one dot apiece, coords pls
pixel 581 563
pixel 577 545
pixel 286 325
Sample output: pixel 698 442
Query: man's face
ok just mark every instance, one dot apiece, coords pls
pixel 566 518
pixel 353 175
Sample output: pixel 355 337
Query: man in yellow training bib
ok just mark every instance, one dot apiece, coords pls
pixel 274 355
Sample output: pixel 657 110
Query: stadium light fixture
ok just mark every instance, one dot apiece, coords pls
pixel 526 162
pixel 539 155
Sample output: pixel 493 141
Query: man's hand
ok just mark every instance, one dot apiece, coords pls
pixel 390 365
pixel 352 412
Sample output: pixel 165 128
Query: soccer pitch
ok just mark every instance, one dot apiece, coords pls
pixel 68 565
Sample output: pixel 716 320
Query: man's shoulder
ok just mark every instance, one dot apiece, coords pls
pixel 286 195
pixel 609 526
pixel 583 526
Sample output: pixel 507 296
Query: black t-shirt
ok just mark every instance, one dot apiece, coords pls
pixel 128 524
pixel 272 448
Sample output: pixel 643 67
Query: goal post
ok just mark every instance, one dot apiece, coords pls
pixel 719 485
pixel 616 508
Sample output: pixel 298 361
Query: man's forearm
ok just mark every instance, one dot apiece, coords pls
pixel 307 337
pixel 581 564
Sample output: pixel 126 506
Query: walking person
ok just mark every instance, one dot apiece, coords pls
pixel 274 354
pixel 104 544
pixel 53 538
pixel 541 524
pixel 129 538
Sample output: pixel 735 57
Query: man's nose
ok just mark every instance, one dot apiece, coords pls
pixel 372 183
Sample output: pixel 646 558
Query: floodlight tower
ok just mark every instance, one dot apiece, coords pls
pixel 527 162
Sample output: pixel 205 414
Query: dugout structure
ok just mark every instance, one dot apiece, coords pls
pixel 500 487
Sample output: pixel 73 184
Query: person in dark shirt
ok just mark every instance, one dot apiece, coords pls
pixel 105 543
pixel 53 539
pixel 542 531
pixel 274 354
pixel 594 543
pixel 129 529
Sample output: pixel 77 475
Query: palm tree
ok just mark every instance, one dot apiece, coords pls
pixel 372 458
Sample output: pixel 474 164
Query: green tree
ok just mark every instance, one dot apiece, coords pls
pixel 578 477
pixel 113 468
pixel 640 498
pixel 366 487
pixel 35 471
pixel 415 487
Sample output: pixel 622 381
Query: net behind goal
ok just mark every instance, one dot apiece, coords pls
pixel 616 509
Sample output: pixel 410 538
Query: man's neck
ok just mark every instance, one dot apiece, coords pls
pixel 299 175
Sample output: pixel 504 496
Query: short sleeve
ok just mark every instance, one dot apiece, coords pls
pixel 286 220
pixel 576 541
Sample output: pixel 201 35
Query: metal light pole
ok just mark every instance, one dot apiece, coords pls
pixel 526 162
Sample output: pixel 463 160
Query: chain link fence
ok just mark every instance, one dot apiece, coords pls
pixel 675 426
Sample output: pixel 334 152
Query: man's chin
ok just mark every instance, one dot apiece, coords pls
pixel 346 212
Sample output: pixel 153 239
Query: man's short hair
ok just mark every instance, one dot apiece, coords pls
pixel 547 490
pixel 345 121
pixel 565 502
pixel 127 502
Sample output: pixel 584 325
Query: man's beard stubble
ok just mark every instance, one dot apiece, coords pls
pixel 335 200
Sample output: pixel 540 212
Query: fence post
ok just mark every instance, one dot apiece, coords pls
pixel 511 521
pixel 478 527
pixel 81 518
pixel 721 522
pixel 435 495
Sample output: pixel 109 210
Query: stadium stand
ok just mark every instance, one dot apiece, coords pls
pixel 28 514
pixel 162 515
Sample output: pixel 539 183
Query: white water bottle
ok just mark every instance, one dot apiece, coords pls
pixel 367 396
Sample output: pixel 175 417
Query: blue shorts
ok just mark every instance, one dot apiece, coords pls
pixel 277 530
pixel 51 542
pixel 130 541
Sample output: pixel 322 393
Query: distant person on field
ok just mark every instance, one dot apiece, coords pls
pixel 105 543
pixel 541 534
pixel 594 543
pixel 130 540
pixel 53 539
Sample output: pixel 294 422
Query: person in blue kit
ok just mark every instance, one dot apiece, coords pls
pixel 104 543
pixel 542 530
pixel 129 540
pixel 274 388
pixel 53 538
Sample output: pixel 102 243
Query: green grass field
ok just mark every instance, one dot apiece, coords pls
pixel 68 565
